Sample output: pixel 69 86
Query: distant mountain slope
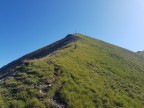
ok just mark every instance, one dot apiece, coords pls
pixel 75 72
pixel 141 53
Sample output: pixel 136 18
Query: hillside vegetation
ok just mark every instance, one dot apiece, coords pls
pixel 75 72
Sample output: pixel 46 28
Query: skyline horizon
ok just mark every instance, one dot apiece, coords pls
pixel 60 39
pixel 26 25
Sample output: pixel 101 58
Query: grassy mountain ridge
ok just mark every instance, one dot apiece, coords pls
pixel 40 52
pixel 84 73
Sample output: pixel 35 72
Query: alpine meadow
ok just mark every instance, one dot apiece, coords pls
pixel 74 72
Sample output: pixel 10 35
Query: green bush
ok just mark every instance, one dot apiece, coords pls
pixel 35 103
pixel 16 104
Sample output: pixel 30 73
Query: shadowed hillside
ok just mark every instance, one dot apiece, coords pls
pixel 75 72
pixel 40 53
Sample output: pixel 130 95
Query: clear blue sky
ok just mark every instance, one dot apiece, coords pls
pixel 26 25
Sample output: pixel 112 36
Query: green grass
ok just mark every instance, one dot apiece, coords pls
pixel 85 73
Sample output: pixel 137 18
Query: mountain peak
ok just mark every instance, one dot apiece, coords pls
pixel 76 71
pixel 42 52
pixel 70 36
pixel 74 36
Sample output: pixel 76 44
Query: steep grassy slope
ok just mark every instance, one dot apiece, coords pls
pixel 83 73
pixel 39 53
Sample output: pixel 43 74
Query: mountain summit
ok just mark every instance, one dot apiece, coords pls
pixel 75 72
pixel 41 52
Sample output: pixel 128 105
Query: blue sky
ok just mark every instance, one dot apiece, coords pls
pixel 26 25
